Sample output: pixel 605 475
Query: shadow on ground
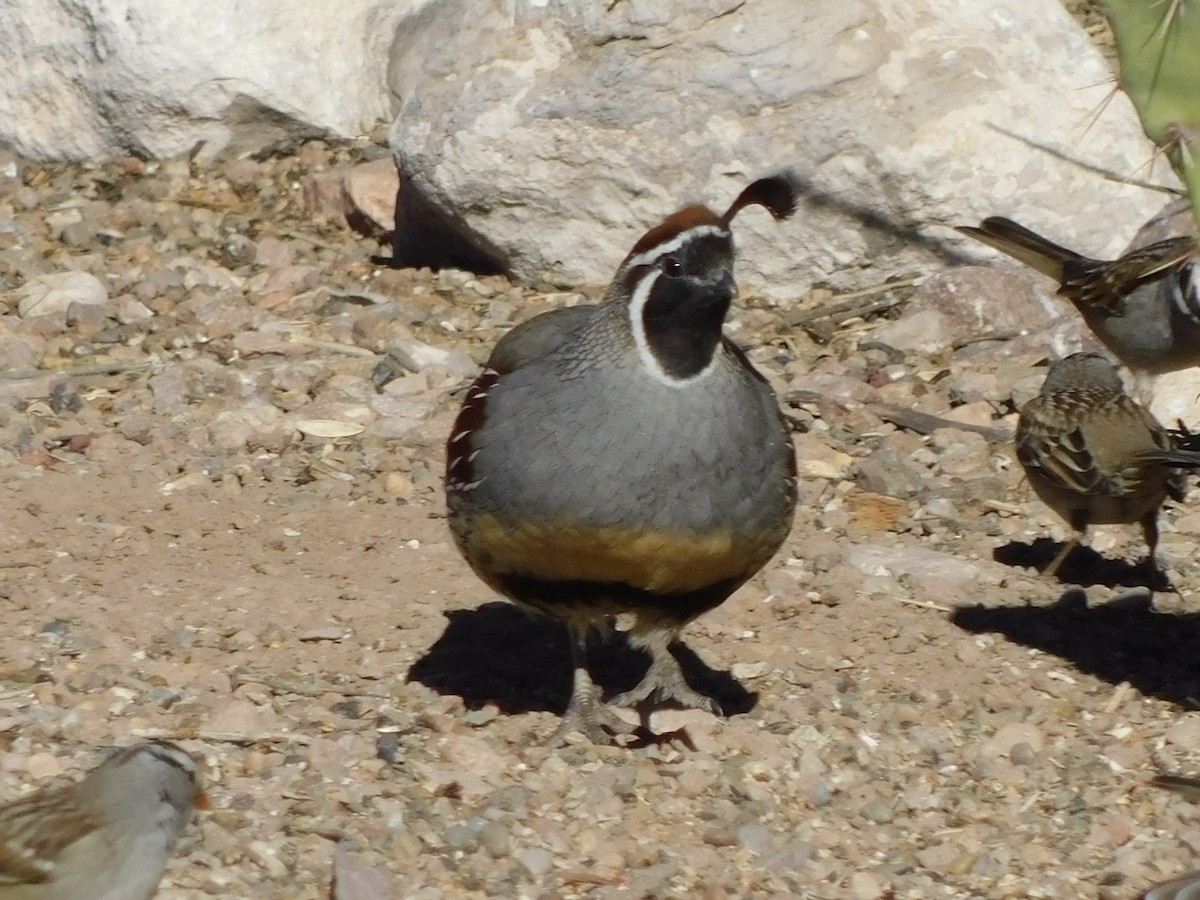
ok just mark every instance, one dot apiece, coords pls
pixel 522 663
pixel 1125 640
pixel 1084 567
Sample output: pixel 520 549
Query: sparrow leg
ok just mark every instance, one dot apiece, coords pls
pixel 1156 578
pixel 1079 522
pixel 664 679
pixel 586 713
pixel 1051 570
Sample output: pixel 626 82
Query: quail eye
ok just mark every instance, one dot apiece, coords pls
pixel 672 267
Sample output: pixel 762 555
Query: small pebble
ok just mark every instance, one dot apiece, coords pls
pixel 43 765
pixel 537 861
pixel 878 811
pixel 461 837
pixel 820 795
pixel 496 839
pixel 326 633
pixel 479 717
pixel 754 837
pixel 1022 754
pixel 865 886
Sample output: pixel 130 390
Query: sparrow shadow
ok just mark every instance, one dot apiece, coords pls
pixel 1084 566
pixel 500 654
pixel 1124 640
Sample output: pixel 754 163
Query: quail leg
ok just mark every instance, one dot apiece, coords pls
pixel 586 713
pixel 664 679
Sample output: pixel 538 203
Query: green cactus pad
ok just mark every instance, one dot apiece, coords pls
pixel 1158 48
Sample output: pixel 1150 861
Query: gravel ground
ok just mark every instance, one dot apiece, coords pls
pixel 218 530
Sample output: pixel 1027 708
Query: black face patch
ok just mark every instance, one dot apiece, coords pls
pixel 685 311
pixel 685 335
pixel 683 316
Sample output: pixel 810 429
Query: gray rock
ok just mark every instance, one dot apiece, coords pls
pixel 865 886
pixel 976 301
pixel 496 839
pixel 417 356
pixel 48 294
pixel 78 234
pixel 130 310
pixel 461 837
pixel 398 415
pixel 537 861
pixel 272 253
pixel 164 79
pixel 901 560
pixel 137 427
pixel 253 427
pixel 923 330
pixel 754 837
pixel 1185 733
pixel 1010 737
pixel 170 390
pixel 878 811
pixel 355 880
pixel 361 196
pixel 20 351
pixel 543 136
pixel 1176 396
pixel 888 471
pixel 238 251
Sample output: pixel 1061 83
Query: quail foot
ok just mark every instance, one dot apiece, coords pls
pixel 626 457
pixel 1095 456
pixel 107 837
pixel 1144 306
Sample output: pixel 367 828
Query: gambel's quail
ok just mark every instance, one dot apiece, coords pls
pixel 107 837
pixel 1144 306
pixel 626 457
pixel 1096 457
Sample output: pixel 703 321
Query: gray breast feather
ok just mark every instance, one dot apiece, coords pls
pixel 703 457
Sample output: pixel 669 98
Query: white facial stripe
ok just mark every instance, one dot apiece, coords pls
pixel 637 324
pixel 168 754
pixel 659 250
pixel 1184 293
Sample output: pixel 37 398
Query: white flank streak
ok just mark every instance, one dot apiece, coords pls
pixel 659 250
pixel 637 304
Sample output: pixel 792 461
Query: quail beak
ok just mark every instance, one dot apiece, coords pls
pixel 724 282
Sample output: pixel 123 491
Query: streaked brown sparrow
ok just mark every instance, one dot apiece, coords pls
pixel 107 837
pixel 1094 455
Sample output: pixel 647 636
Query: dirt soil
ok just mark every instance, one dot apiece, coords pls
pixel 217 529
